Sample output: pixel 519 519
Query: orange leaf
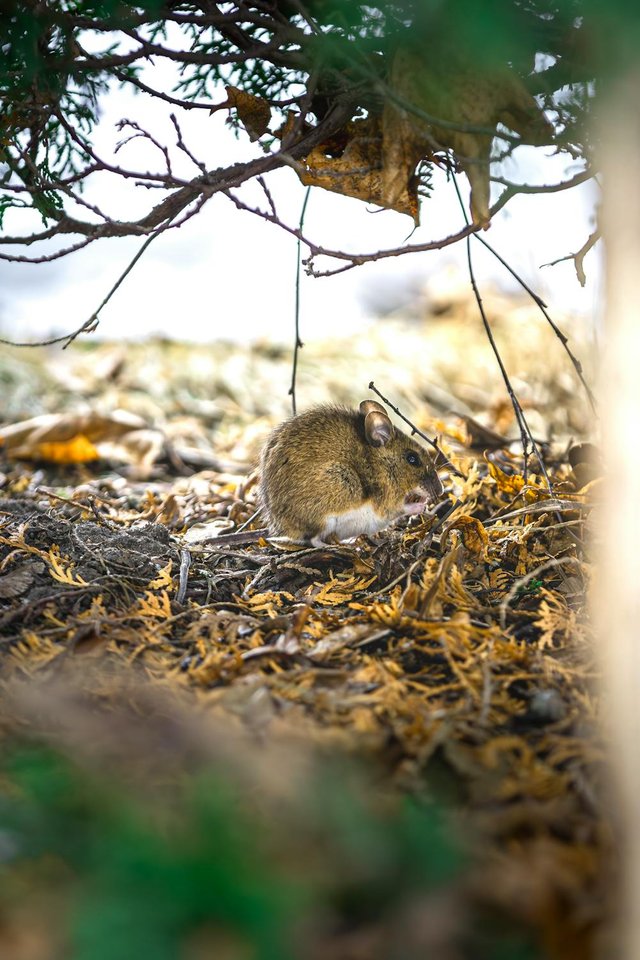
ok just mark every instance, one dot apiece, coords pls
pixel 78 449
pixel 474 535
pixel 507 483
pixel 351 163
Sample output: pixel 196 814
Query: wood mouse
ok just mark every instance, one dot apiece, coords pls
pixel 332 472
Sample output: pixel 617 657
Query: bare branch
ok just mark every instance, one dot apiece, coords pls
pixel 206 185
pixel 515 188
pixel 276 50
pixel 578 258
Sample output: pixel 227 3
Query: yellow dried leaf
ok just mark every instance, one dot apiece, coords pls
pixel 62 570
pixel 268 601
pixel 499 580
pixel 454 591
pixel 78 449
pixel 472 484
pixel 155 605
pixel 507 483
pixel 95 612
pixel 522 563
pixel 164 578
pixel 474 535
pixel 35 650
pixel 557 622
pixel 388 614
pixel 253 112
pixel 458 432
pixel 338 590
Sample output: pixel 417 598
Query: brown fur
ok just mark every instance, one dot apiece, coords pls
pixel 321 463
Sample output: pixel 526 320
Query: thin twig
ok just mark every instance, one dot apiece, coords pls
pixel 243 526
pixel 525 431
pixel 93 321
pixel 298 344
pixel 90 325
pixel 578 258
pixel 182 145
pixel 554 505
pixel 539 302
pixel 414 430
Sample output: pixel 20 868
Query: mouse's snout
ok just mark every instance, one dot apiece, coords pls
pixel 427 492
pixel 431 485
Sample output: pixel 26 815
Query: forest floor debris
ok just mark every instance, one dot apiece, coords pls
pixel 455 653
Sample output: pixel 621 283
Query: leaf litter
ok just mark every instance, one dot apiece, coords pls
pixel 454 649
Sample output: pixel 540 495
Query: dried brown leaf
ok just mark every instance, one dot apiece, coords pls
pixel 254 112
pixel 15 583
pixel 352 166
pixel 474 535
pixel 82 438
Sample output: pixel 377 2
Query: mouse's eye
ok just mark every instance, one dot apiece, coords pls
pixel 412 458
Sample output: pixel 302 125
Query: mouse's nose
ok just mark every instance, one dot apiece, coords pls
pixel 432 485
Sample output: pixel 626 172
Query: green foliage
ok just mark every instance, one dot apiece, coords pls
pixel 49 92
pixel 134 874
pixel 59 59
pixel 137 883
pixel 530 588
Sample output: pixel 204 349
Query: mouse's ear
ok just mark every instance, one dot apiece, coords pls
pixel 378 428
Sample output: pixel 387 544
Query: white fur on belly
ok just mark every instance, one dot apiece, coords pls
pixel 352 523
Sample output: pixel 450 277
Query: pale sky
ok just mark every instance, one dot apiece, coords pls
pixel 226 274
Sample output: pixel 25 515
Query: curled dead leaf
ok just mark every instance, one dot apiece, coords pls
pixel 474 536
pixel 82 438
pixel 351 163
pixel 509 484
pixel 253 112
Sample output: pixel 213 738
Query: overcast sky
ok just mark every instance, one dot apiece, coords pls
pixel 228 274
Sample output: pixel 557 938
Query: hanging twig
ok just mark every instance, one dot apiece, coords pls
pixel 525 432
pixel 93 321
pixel 444 460
pixel 526 435
pixel 298 344
pixel 539 302
pixel 89 325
